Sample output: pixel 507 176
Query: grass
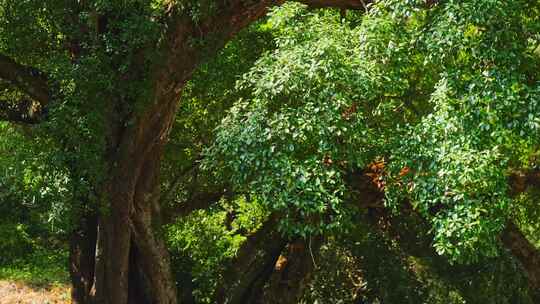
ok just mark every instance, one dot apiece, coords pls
pixel 38 278
pixel 41 269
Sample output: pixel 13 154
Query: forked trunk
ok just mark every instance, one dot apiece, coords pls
pixel 132 262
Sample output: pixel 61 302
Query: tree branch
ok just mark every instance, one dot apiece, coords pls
pixel 196 201
pixel 29 80
pixel 370 195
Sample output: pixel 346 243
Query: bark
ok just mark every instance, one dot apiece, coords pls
pixel 133 218
pixel 133 263
pixel 82 258
pixel 521 181
pixel 292 272
pixel 154 258
pixel 525 253
pixel 245 278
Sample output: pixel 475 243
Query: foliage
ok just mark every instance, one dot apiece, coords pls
pixel 444 95
pixel 483 105
pixel 334 97
pixel 44 267
pixel 281 136
pixel 203 242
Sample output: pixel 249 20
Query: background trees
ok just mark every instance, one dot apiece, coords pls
pixel 408 130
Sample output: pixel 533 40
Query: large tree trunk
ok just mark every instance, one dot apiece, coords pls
pixel 132 262
pixel 130 253
pixel 153 259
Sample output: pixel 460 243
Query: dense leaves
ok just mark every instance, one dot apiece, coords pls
pixel 434 104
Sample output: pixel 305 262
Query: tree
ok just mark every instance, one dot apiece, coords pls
pixel 105 80
pixel 116 70
pixel 444 130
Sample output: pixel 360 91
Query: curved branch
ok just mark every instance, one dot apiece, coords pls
pixel 29 80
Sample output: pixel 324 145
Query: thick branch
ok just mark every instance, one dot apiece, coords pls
pixel 246 276
pixel 28 79
pixel 292 272
pixel 197 201
pixel 525 253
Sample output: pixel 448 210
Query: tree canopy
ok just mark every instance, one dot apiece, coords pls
pixel 261 151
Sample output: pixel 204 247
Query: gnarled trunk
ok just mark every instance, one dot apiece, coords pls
pixel 132 262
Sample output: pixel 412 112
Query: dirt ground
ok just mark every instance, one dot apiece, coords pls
pixel 19 293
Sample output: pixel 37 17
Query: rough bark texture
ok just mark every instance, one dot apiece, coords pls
pixel 154 259
pixel 135 155
pixel 245 278
pixel 131 250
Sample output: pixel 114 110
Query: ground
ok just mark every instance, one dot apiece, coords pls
pixel 22 293
pixel 39 277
